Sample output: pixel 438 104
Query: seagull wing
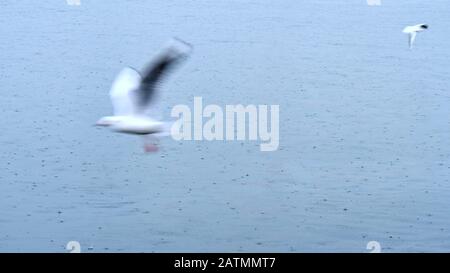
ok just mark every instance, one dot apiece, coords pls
pixel 121 92
pixel 412 38
pixel 157 70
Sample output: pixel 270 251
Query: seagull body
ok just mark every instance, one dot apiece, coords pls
pixel 132 94
pixel 412 31
pixel 137 125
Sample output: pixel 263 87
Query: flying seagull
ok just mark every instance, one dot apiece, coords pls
pixel 412 31
pixel 132 94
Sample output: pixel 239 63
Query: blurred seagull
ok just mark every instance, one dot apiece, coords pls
pixel 132 93
pixel 412 31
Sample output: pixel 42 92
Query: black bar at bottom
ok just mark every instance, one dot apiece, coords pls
pixel 222 262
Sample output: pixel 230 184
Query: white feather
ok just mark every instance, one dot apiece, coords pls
pixel 121 92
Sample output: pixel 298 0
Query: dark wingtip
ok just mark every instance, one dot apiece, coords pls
pixel 182 41
pixel 424 26
pixel 181 46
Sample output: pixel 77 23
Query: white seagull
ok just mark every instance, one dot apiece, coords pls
pixel 412 31
pixel 132 93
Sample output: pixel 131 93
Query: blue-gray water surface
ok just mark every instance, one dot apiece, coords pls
pixel 364 128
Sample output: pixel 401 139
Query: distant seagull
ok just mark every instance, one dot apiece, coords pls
pixel 132 93
pixel 412 31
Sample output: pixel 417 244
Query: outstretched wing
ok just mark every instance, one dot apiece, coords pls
pixel 156 71
pixel 412 38
pixel 121 92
